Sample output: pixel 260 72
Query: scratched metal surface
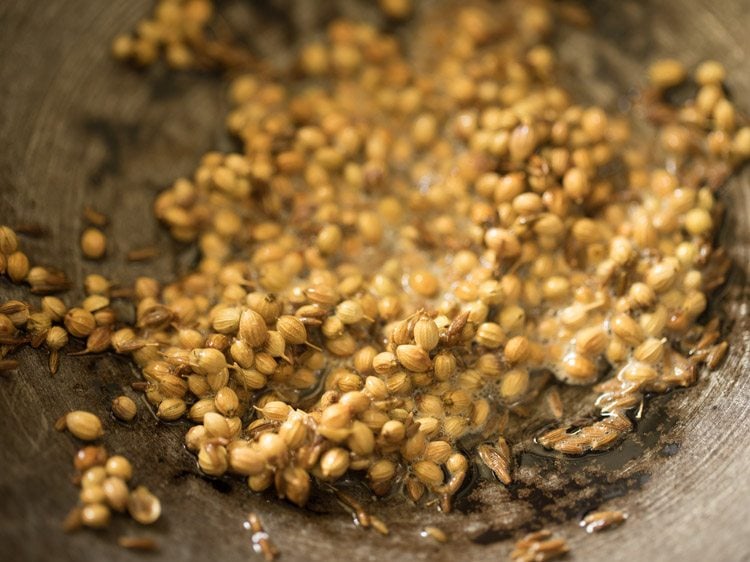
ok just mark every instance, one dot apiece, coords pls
pixel 76 128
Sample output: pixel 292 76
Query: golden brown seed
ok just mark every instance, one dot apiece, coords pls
pixel 370 227
pixel 376 388
pixel 119 467
pixel 95 284
pixel 357 401
pixel 216 425
pixel 292 329
pixel 242 354
pixel 435 533
pixel 92 303
pixel 522 142
pixel 396 9
pixel 143 506
pixel 253 329
pixel 92 494
pixel 124 408
pixel 260 482
pixel 293 431
pixel 639 373
pixel 393 431
pixel 273 447
pixel 8 240
pixel 246 460
pixel 429 473
pixel 79 322
pixel 413 358
pixel 514 383
pixel 438 451
pixel 627 329
pixel 444 365
pixel 498 459
pixel 226 401
pixel 361 441
pixel 226 320
pixel 457 463
pixel 642 294
pixel 385 363
pixel 666 73
pixel 138 543
pixel 195 437
pixel 56 338
pixel 601 520
pixel 724 115
pixel 650 351
pixel 334 463
pixel 84 425
pixel 517 349
pixel 94 476
pixel 710 72
pixel 89 456
pixel 741 143
pixel 426 333
pixel 381 474
pixel 379 525
pixel 296 485
pixel 213 459
pixel 336 416
pixel 698 222
pixel 591 341
pixel 490 335
pixel 17 266
pixel 95 516
pixel 576 184
pixel 349 312
pixel 423 283
pixel 171 409
pixel 329 239
pixel 207 361
pixel 93 243
pixel 661 276
pixel 276 410
pixel 116 493
pixel 579 369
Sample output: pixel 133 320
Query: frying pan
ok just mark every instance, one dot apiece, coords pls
pixel 76 129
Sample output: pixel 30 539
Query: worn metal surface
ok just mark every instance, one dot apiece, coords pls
pixel 75 128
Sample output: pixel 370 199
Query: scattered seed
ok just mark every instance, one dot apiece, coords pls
pixel 84 425
pixel 8 365
pixel 124 408
pixel 138 543
pixel 434 533
pixel 497 459
pixel 93 243
pixel 95 217
pixel 261 541
pixel 145 253
pixel 143 506
pixel 602 520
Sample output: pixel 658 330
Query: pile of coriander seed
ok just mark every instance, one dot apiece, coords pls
pixel 410 243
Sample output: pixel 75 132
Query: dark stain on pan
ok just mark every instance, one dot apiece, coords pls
pixel 559 488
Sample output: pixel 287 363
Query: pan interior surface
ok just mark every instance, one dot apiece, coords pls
pixel 79 129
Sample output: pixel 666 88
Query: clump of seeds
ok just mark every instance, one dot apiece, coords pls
pixel 404 253
pixel 104 489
